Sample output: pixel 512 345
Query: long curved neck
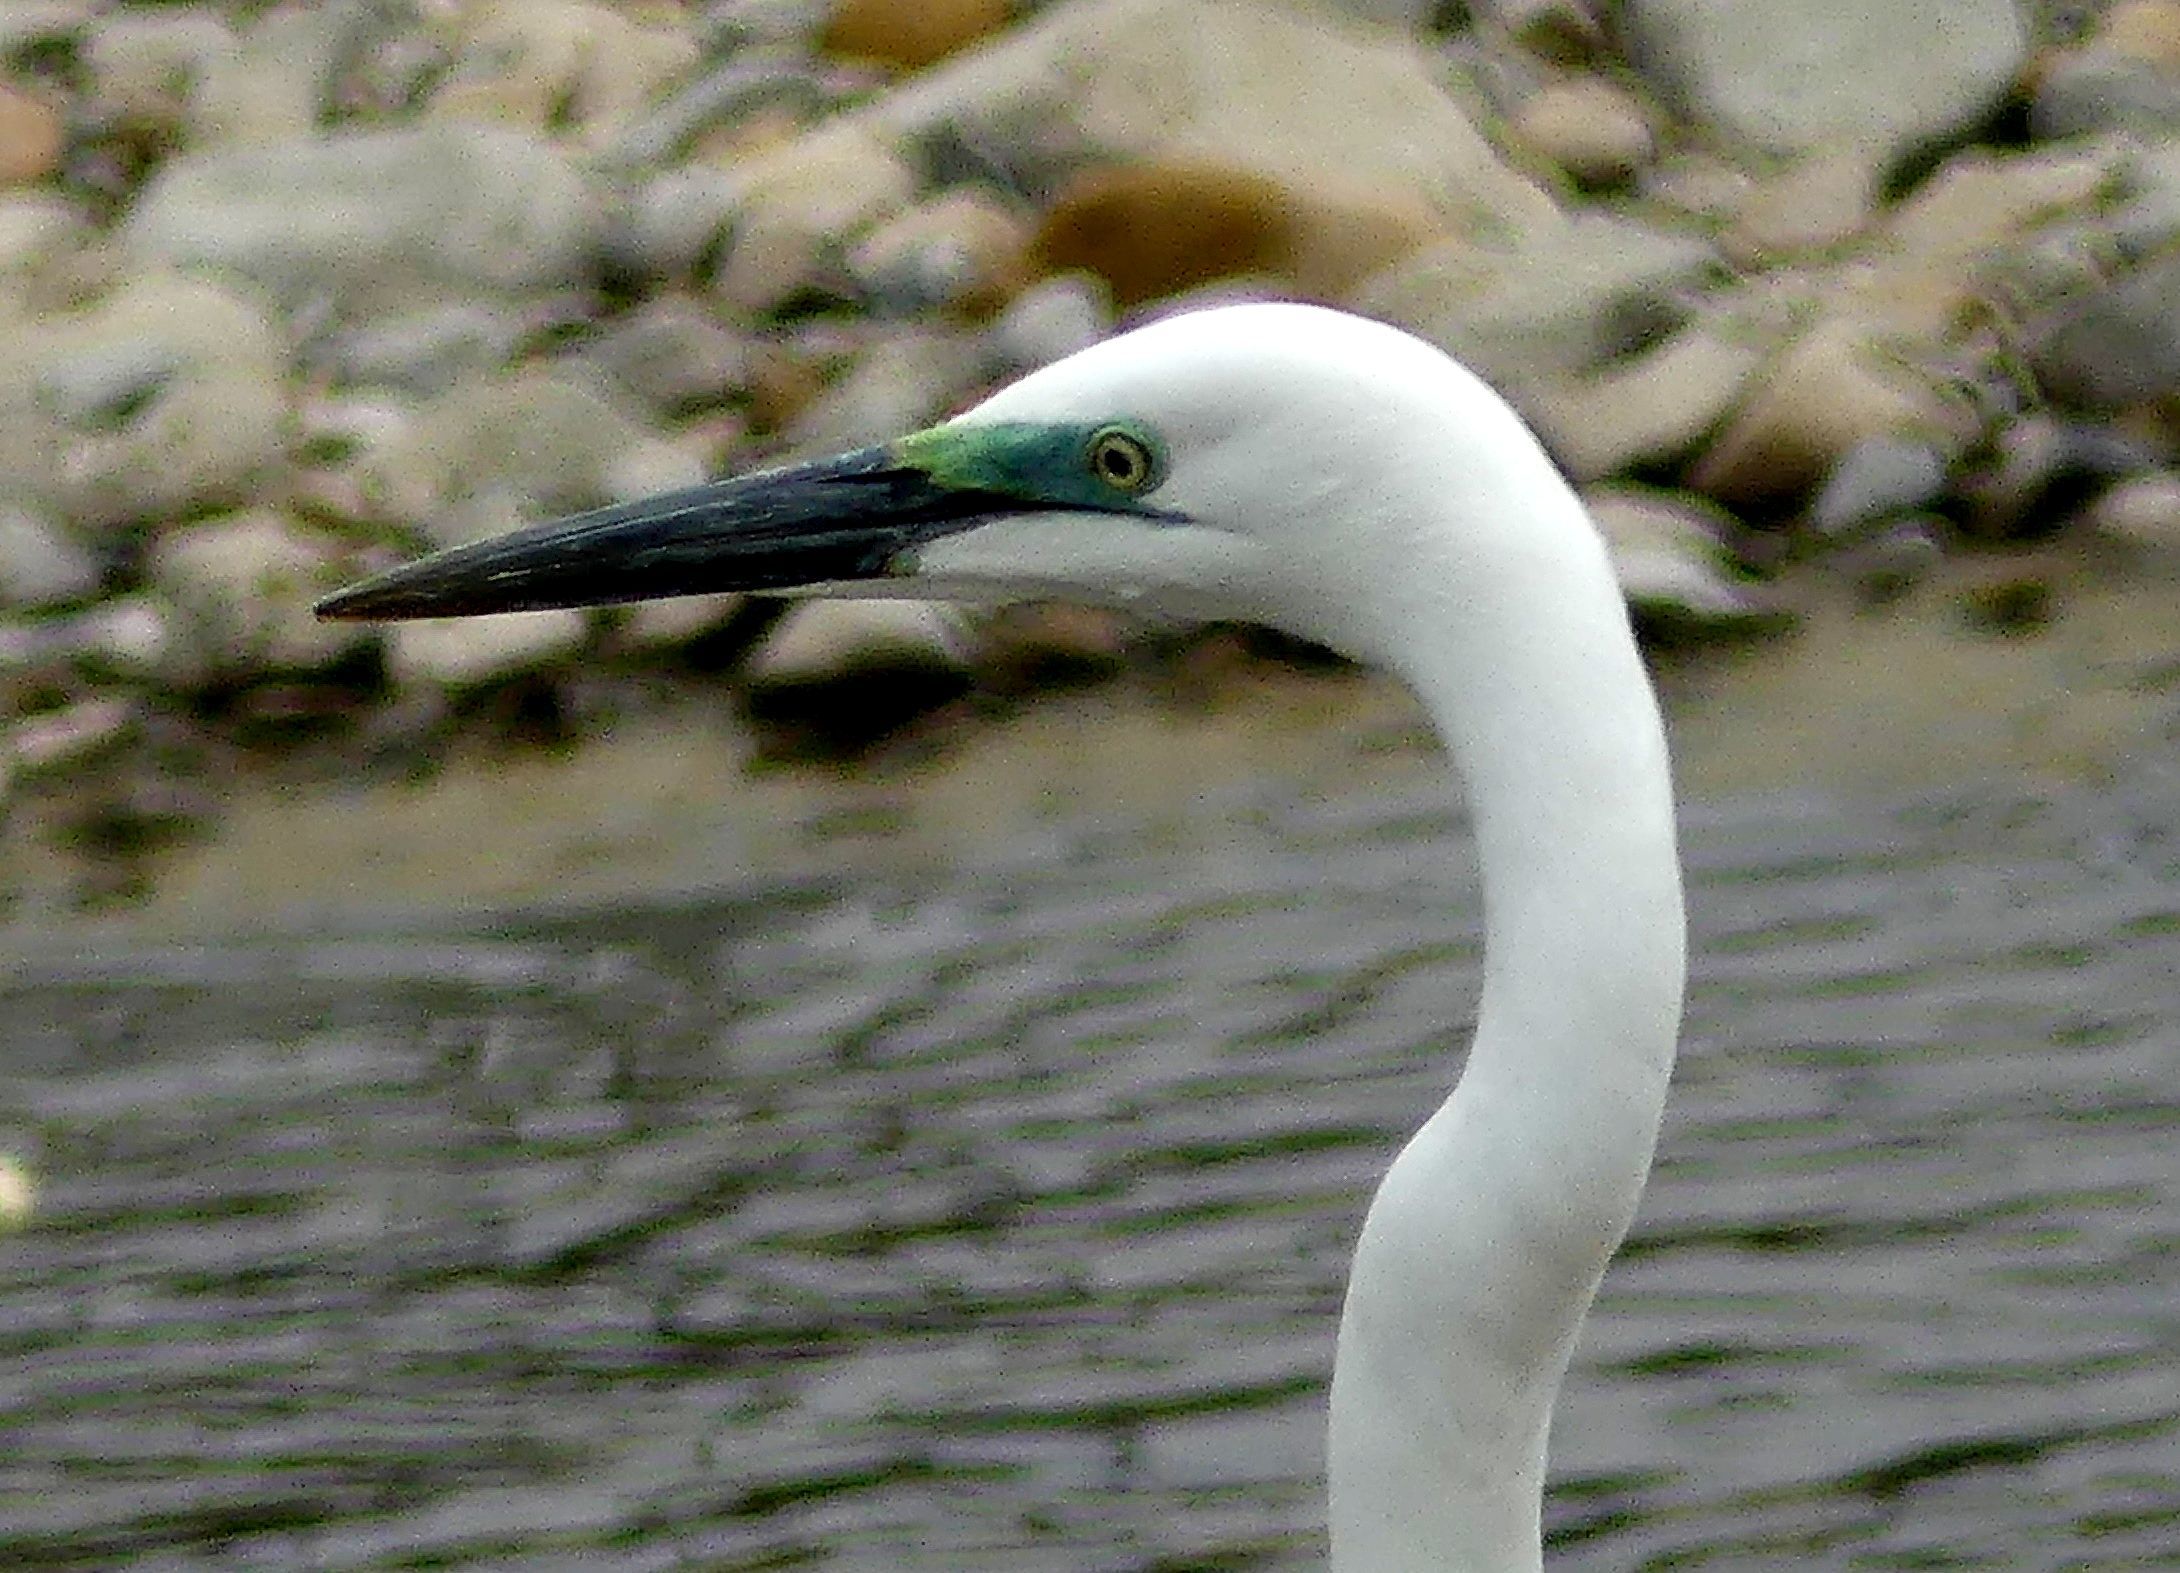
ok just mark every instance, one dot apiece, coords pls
pixel 1486 1241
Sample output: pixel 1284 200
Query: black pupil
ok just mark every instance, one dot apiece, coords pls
pixel 1119 461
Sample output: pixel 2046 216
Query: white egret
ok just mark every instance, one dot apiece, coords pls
pixel 1351 484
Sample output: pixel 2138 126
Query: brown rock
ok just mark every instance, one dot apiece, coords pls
pixel 31 137
pixel 910 34
pixel 1156 229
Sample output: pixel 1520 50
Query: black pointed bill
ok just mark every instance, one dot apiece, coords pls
pixel 852 517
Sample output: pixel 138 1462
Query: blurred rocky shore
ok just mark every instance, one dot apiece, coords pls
pixel 1796 293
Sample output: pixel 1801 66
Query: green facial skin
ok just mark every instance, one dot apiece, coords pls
pixel 1052 465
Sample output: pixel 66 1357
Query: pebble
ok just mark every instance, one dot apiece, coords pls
pixel 1051 320
pixel 899 384
pixel 1566 299
pixel 797 209
pixel 672 354
pixel 33 227
pixel 244 585
pixel 18 1192
pixel 41 565
pixel 166 396
pixel 1815 203
pixel 375 220
pixel 1595 130
pixel 473 652
pixel 962 251
pixel 54 741
pixel 1790 78
pixel 1648 409
pixel 1833 388
pixel 822 640
pixel 32 136
pixel 1899 556
pixel 424 351
pixel 2117 347
pixel 2040 468
pixel 2144 509
pixel 1667 551
pixel 1875 479
pixel 570 68
pixel 550 434
pixel 144 65
pixel 727 94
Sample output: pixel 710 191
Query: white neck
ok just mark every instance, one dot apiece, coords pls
pixel 1485 1243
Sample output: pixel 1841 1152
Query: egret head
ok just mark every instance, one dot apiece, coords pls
pixel 1250 461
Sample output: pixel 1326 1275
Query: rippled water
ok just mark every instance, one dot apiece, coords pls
pixel 999 1220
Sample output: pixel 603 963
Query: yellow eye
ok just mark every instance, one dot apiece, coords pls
pixel 1121 461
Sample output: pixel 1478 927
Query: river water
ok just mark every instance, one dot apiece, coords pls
pixel 995 1216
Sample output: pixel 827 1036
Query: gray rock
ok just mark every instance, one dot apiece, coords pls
pixel 424 351
pixel 1787 78
pixel 104 385
pixel 1051 320
pixel 164 397
pixel 2096 90
pixel 2040 469
pixel 822 640
pixel 40 564
pixel 131 637
pixel 473 652
pixel 144 65
pixel 1895 559
pixel 672 225
pixel 2144 510
pixel 549 436
pixel 378 219
pixel 1668 554
pixel 53 742
pixel 1814 203
pixel 1297 96
pixel 961 249
pixel 2118 347
pixel 1565 298
pixel 35 227
pixel 729 25
pixel 672 354
pixel 901 383
pixel 274 83
pixel 1650 409
pixel 753 80
pixel 244 585
pixel 574 69
pixel 797 209
pixel 1875 479
pixel 1589 126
